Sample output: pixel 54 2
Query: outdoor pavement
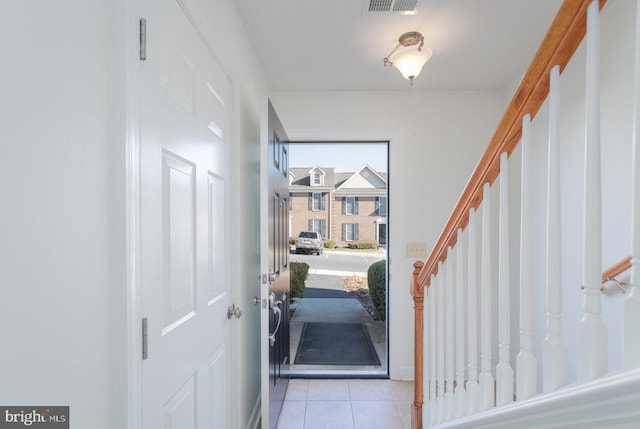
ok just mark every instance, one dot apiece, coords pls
pixel 338 310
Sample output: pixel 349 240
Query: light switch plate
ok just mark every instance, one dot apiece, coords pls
pixel 416 250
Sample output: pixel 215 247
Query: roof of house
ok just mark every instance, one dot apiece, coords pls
pixel 302 181
pixel 364 182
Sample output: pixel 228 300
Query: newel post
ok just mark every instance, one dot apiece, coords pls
pixel 418 304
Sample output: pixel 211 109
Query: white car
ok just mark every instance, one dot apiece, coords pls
pixel 309 241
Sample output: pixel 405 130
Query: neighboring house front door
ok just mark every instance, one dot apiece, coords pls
pixel 382 234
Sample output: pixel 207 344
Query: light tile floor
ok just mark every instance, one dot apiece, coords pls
pixel 347 404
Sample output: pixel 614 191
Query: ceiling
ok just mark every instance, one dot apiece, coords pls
pixel 337 45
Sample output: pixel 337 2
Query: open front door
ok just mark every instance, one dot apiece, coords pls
pixel 274 246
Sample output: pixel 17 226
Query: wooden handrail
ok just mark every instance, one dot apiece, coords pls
pixel 616 269
pixel 557 48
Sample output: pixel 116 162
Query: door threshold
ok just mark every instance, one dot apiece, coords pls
pixel 329 373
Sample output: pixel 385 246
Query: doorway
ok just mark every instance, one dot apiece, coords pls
pixel 338 199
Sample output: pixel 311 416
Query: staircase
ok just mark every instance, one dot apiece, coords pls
pixel 517 323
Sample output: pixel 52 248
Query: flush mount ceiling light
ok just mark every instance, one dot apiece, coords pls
pixel 409 61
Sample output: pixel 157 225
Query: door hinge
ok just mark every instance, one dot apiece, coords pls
pixel 145 339
pixel 143 39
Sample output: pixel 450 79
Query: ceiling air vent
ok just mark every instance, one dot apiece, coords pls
pixel 390 6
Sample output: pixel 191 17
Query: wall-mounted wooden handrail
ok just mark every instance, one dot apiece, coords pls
pixel 557 48
pixel 616 269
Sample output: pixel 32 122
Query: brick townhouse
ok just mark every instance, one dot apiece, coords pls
pixel 343 207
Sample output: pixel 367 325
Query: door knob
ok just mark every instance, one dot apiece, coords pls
pixel 234 311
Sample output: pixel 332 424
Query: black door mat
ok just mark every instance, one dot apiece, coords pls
pixel 336 344
pixel 316 292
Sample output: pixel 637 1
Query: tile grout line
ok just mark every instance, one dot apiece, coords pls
pixel 397 399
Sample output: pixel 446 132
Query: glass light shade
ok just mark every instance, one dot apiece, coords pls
pixel 410 61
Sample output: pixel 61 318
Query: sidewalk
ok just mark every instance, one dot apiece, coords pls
pixel 337 273
pixel 335 310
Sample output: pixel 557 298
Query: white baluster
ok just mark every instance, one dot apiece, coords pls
pixel 592 334
pixel 631 354
pixel 553 348
pixel 525 360
pixel 460 396
pixel 504 372
pixel 486 378
pixel 426 361
pixel 472 319
pixel 433 409
pixel 449 337
pixel 440 342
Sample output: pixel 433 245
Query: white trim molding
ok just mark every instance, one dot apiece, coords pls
pixel 605 403
pixel 256 413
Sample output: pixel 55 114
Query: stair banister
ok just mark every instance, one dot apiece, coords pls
pixel 472 319
pixel 460 393
pixel 592 333
pixel 504 372
pixel 553 348
pixel 449 338
pixel 486 380
pixel 526 364
pixel 440 351
pixel 559 45
pixel 432 358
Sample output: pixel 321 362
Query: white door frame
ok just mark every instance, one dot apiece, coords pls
pixel 393 137
pixel 127 21
pixel 126 14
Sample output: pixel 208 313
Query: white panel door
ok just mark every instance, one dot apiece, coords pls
pixel 184 154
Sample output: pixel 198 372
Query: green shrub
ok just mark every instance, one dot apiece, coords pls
pixel 329 244
pixel 293 240
pixel 363 244
pixel 377 279
pixel 298 272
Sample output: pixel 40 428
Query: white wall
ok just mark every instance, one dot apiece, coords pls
pixel 56 219
pixel 62 212
pixel 436 138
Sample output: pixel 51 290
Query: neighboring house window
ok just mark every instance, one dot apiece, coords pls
pixel 381 206
pixel 350 205
pixel 318 225
pixel 316 201
pixel 349 232
pixel 317 178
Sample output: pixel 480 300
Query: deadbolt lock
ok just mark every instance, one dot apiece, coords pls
pixel 234 311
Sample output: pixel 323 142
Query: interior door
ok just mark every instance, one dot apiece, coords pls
pixel 185 103
pixel 275 264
